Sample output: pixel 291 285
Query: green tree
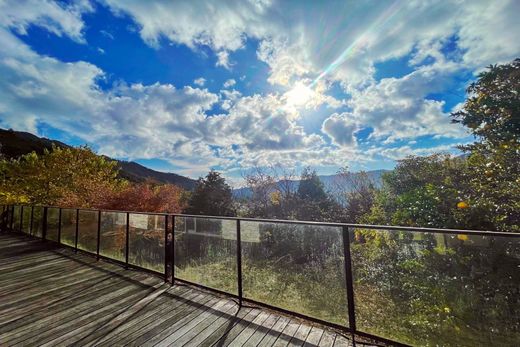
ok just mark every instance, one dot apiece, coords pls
pixel 313 202
pixel 212 196
pixel 492 114
pixel 75 177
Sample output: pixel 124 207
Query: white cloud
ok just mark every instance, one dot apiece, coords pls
pixel 200 81
pixel 398 153
pixel 169 122
pixel 341 128
pixel 399 108
pixel 358 35
pixel 229 83
pixel 57 18
pixel 223 60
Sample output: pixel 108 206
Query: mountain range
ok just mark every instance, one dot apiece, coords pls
pixel 329 183
pixel 16 143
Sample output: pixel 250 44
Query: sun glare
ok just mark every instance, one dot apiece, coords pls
pixel 298 96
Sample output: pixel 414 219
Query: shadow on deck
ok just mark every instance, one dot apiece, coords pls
pixel 51 296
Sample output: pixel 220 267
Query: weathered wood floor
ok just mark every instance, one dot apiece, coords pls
pixel 50 296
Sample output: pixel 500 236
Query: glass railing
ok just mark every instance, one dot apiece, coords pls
pixel 412 286
pixel 437 289
pixel 146 241
pixel 206 251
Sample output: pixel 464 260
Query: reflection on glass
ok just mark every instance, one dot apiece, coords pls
pixel 68 226
pixel 16 217
pixel 26 221
pixel 113 235
pixel 52 223
pixel 296 267
pixel 146 241
pixel 87 230
pixel 205 252
pixel 437 289
pixel 37 221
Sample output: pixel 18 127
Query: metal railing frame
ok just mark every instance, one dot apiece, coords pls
pixel 8 218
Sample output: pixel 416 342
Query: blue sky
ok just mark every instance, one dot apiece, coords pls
pixel 187 86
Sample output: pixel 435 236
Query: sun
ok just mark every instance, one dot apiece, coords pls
pixel 299 95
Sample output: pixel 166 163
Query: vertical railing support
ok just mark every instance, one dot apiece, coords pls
pixel 77 231
pixel 59 226
pixel 127 244
pixel 44 224
pixel 166 249
pixel 172 250
pixel 12 218
pixel 349 279
pixel 239 263
pixel 31 222
pixel 98 234
pixel 21 219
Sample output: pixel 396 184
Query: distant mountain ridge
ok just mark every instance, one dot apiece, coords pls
pixel 16 143
pixel 376 176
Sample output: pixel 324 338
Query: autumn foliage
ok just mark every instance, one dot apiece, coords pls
pixel 78 177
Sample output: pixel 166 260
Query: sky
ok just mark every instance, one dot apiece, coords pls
pixel 189 86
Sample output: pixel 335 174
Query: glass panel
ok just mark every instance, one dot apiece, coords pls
pixel 37 222
pixel 433 289
pixel 87 231
pixel 113 235
pixel 296 267
pixel 146 241
pixel 68 226
pixel 205 252
pixel 26 222
pixel 16 217
pixel 53 215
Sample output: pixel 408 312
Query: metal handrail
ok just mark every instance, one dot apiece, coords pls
pixel 304 222
pixel 169 265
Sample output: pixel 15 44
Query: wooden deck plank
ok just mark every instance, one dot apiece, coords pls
pixel 138 319
pixel 52 296
pixel 274 332
pixel 264 329
pixel 195 333
pixel 327 339
pixel 301 335
pixel 287 333
pixel 230 334
pixel 314 337
pixel 250 329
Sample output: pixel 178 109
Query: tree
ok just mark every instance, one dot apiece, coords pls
pixel 313 201
pixel 355 192
pixel 492 114
pixel 148 197
pixel 212 196
pixel 273 192
pixel 69 177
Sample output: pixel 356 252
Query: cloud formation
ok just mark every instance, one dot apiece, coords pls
pixel 324 58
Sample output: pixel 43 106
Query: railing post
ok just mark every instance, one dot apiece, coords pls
pixel 98 233
pixel 166 249
pixel 239 263
pixel 59 226
pixel 12 218
pixel 44 224
pixel 31 222
pixel 77 231
pixel 172 250
pixel 127 244
pixel 21 219
pixel 349 281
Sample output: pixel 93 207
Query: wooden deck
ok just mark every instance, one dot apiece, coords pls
pixel 51 296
